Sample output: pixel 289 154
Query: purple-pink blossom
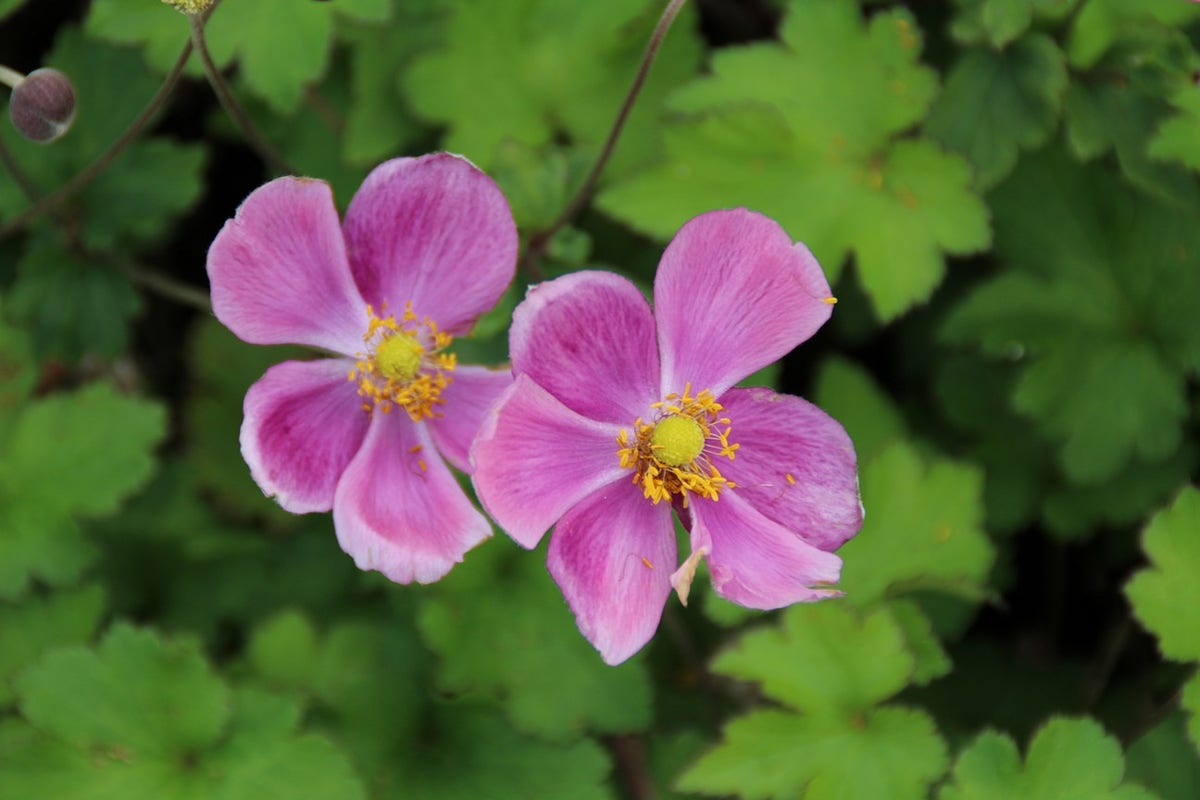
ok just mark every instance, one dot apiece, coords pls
pixel 427 245
pixel 619 414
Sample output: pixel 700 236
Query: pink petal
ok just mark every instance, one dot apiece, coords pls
pixel 436 231
pixel 279 273
pixel 783 436
pixel 588 339
pixel 398 508
pixel 732 295
pixel 756 562
pixel 534 458
pixel 470 394
pixel 612 555
pixel 303 423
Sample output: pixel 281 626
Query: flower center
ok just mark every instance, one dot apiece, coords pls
pixel 404 365
pixel 399 357
pixel 677 440
pixel 672 456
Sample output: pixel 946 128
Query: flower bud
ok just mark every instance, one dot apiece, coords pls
pixel 42 106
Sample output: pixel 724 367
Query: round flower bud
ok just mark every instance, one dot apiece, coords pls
pixel 42 106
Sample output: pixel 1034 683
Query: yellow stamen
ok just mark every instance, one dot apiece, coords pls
pixel 646 561
pixel 790 479
pixel 830 300
pixel 672 456
pixel 404 366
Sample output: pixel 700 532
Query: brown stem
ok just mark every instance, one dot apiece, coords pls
pixel 537 242
pixel 28 187
pixel 629 755
pixel 182 293
pixel 88 173
pixel 230 103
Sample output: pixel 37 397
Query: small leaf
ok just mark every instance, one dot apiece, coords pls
pixel 850 395
pixel 102 451
pixel 1172 582
pixel 521 641
pixel 1068 759
pixel 37 624
pixel 134 697
pixel 996 103
pixel 849 662
pixel 807 130
pixel 923 528
pixel 889 752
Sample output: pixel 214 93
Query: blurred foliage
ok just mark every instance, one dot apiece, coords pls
pixel 1004 196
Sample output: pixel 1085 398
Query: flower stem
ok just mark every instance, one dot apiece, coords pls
pixel 28 188
pixel 88 173
pixel 182 293
pixel 537 242
pixel 229 102
pixel 10 77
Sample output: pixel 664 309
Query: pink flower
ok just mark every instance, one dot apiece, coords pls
pixel 617 414
pixel 428 244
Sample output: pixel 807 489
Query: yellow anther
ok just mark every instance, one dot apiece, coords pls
pixel 404 365
pixel 829 300
pixel 672 456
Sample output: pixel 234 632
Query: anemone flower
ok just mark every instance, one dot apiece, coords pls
pixel 619 414
pixel 428 244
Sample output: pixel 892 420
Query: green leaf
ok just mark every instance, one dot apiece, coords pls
pixel 151 182
pixel 37 624
pixel 7 7
pixel 520 641
pixel 284 648
pixel 567 67
pixel 281 47
pixel 17 372
pixel 1164 761
pixel 223 368
pixel 851 396
pixel 467 753
pixel 1000 22
pixel 144 717
pixel 135 697
pixel 1191 701
pixel 66 455
pixel 831 664
pixel 1120 104
pixel 889 752
pixel 1093 307
pixel 262 756
pixel 931 660
pixel 379 123
pixel 805 130
pixel 1069 759
pixel 73 306
pixel 1178 138
pixel 1172 582
pixel 923 529
pixel 850 661
pixel 1101 23
pixel 996 103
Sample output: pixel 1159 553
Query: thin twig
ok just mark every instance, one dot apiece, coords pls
pixel 88 173
pixel 28 187
pixel 538 241
pixel 230 103
pixel 629 757
pixel 182 293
